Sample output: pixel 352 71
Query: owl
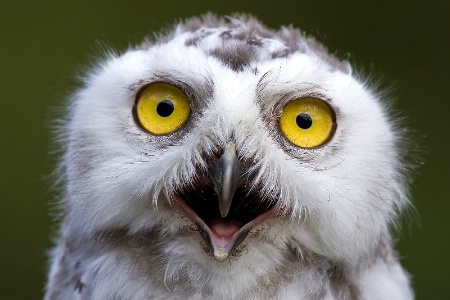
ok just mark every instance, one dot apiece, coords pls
pixel 227 160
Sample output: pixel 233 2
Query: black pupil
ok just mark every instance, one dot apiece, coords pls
pixel 304 121
pixel 165 108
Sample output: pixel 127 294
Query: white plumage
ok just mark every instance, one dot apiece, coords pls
pixel 228 201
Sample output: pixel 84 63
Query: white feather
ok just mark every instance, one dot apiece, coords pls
pixel 121 236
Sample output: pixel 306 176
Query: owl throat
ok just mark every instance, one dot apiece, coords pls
pixel 224 205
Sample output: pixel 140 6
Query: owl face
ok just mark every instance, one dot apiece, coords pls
pixel 229 139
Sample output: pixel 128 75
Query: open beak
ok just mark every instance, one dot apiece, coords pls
pixel 223 206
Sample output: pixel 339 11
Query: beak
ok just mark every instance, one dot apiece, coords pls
pixel 226 174
pixel 223 234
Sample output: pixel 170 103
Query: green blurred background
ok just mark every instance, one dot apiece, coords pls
pixel 45 45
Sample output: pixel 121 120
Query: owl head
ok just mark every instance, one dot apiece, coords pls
pixel 228 140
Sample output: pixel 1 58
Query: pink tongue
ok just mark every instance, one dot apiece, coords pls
pixel 223 228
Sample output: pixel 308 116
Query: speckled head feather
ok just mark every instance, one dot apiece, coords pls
pixel 241 39
pixel 226 160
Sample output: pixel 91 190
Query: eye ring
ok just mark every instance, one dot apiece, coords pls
pixel 161 108
pixel 307 122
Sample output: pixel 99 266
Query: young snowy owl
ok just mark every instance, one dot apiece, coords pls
pixel 226 160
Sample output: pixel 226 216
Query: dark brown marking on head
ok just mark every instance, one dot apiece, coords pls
pixel 281 53
pixel 226 35
pixel 254 41
pixel 244 39
pixel 192 41
pixel 235 56
pixel 198 37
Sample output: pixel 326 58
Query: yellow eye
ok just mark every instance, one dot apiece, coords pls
pixel 307 122
pixel 161 108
